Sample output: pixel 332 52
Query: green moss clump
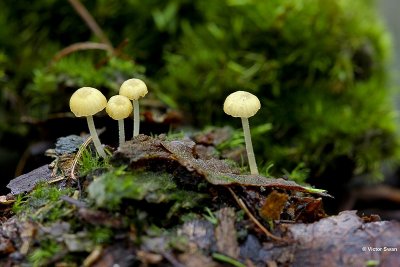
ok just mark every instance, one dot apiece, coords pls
pixel 318 68
pixel 43 204
pixel 100 235
pixel 90 161
pixel 72 72
pixel 41 255
pixel 111 189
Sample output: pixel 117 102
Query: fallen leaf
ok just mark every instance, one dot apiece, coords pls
pixel 26 182
pixel 273 205
pixel 178 157
pixel 307 209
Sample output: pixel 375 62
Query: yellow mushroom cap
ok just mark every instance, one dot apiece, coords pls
pixel 241 104
pixel 119 107
pixel 87 101
pixel 133 89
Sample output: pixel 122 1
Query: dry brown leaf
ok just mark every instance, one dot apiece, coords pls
pixel 179 157
pixel 273 205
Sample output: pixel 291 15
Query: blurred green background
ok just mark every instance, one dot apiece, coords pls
pixel 319 67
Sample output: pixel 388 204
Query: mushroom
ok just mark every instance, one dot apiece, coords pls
pixel 119 107
pixel 86 102
pixel 244 105
pixel 134 89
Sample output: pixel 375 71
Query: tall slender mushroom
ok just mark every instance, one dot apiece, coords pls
pixel 244 105
pixel 119 107
pixel 86 102
pixel 134 89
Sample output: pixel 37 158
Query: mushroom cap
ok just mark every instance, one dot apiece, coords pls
pixel 241 104
pixel 119 107
pixel 133 89
pixel 87 101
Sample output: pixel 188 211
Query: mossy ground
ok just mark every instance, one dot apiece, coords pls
pixel 140 202
pixel 114 206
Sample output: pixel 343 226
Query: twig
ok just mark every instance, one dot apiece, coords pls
pixel 80 46
pixel 90 22
pixel 78 155
pixel 254 219
pixel 75 202
pixel 116 53
pixel 56 179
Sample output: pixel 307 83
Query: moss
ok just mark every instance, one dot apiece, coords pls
pixel 323 90
pixel 111 189
pixel 299 174
pixel 124 211
pixel 100 235
pixel 73 72
pixel 90 161
pixel 19 204
pixel 43 204
pixel 45 252
pixel 210 216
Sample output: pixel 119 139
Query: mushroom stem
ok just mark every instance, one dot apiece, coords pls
pixel 249 146
pixel 136 119
pixel 121 130
pixel 95 137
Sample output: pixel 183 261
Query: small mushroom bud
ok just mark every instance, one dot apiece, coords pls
pixel 86 102
pixel 244 105
pixel 119 107
pixel 134 89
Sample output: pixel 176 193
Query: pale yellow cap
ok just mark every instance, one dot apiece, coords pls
pixel 133 89
pixel 87 101
pixel 119 107
pixel 241 104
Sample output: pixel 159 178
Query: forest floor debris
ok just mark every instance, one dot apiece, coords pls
pixel 170 202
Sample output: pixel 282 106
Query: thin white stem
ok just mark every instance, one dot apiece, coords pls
pixel 95 137
pixel 136 119
pixel 249 146
pixel 121 130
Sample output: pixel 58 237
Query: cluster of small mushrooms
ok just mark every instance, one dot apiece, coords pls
pixel 87 101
